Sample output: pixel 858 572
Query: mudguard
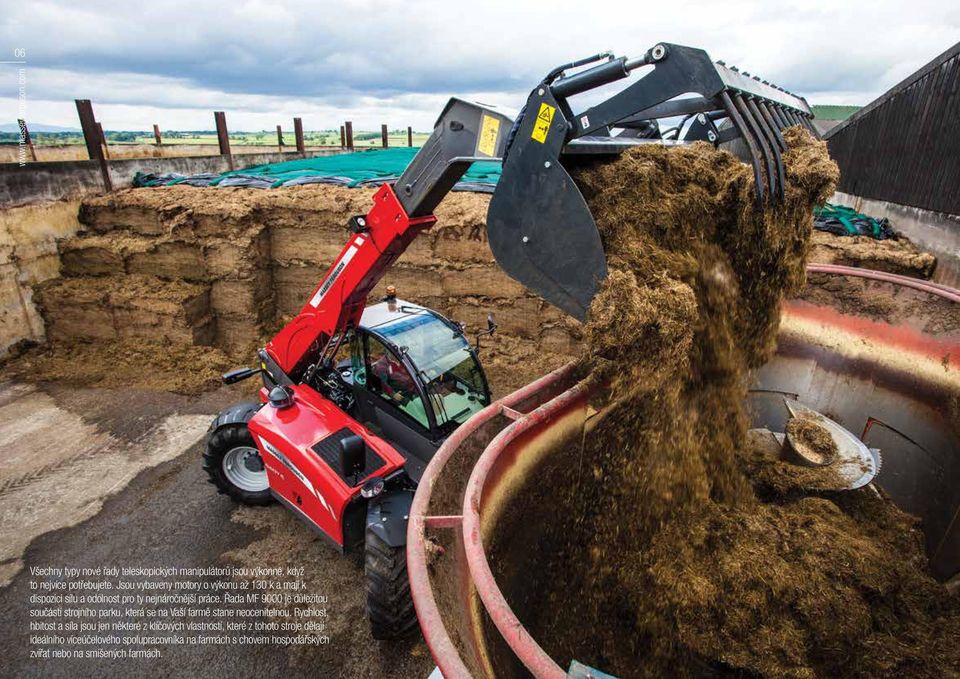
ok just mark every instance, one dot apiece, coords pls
pixel 235 414
pixel 387 516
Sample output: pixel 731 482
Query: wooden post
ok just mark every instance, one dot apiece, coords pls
pixel 383 135
pixel 156 134
pixel 25 135
pixel 280 138
pixel 409 136
pixel 103 140
pixel 223 137
pixel 348 128
pixel 91 136
pixel 298 133
pixel 343 138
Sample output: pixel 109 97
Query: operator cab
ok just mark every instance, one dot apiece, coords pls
pixel 415 378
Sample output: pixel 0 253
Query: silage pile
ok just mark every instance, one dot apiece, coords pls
pixel 168 287
pixel 705 556
pixel 895 255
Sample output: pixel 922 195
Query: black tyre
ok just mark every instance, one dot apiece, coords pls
pixel 233 463
pixel 389 603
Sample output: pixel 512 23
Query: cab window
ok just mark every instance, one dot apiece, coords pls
pixel 449 371
pixel 387 377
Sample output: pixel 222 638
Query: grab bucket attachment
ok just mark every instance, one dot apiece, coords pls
pixel 540 228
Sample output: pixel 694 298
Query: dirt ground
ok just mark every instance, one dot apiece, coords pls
pixel 124 467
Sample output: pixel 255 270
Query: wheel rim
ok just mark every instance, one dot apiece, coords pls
pixel 243 468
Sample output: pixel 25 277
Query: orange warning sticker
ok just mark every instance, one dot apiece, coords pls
pixel 487 141
pixel 541 128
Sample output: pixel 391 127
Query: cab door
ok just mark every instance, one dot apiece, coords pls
pixel 392 403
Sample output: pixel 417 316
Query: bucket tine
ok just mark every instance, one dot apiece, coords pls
pixel 761 138
pixel 780 117
pixel 772 124
pixel 770 135
pixel 773 141
pixel 750 141
pixel 787 120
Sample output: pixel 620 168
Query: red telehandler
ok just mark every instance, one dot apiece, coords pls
pixel 356 399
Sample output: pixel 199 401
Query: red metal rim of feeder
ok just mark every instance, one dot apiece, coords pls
pixel 434 632
pixel 534 658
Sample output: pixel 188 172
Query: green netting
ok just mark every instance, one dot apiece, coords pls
pixel 360 166
pixel 349 169
pixel 845 221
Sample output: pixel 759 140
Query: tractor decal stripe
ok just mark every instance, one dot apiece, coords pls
pixel 296 472
pixel 334 275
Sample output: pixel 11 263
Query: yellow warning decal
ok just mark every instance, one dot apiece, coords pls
pixel 487 141
pixel 541 128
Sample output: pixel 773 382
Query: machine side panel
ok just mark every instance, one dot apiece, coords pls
pixel 301 477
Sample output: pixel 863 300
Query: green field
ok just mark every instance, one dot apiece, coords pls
pixel 320 138
pixel 832 112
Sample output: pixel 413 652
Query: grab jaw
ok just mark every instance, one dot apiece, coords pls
pixel 539 226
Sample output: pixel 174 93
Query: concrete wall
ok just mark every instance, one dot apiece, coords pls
pixel 29 256
pixel 40 182
pixel 935 232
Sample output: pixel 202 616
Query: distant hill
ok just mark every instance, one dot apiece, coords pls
pixel 831 112
pixel 38 127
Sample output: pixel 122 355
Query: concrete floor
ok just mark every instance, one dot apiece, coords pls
pixel 112 477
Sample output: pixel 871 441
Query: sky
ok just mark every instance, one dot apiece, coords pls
pixel 398 61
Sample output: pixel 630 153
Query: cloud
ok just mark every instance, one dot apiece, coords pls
pixel 368 59
pixel 133 101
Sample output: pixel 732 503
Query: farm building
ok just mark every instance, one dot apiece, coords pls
pixel 899 158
